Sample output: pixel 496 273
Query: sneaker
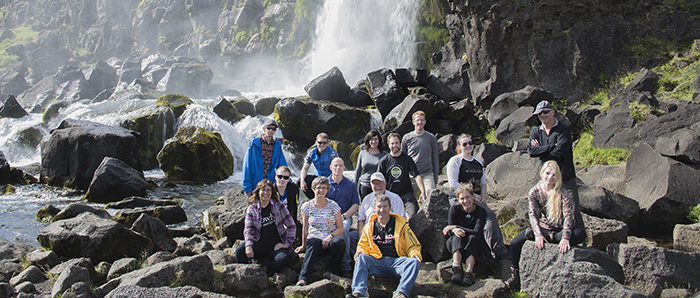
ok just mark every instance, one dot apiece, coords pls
pixel 354 295
pixel 301 283
pixel 399 295
pixel 456 275
pixel 468 279
pixel 513 282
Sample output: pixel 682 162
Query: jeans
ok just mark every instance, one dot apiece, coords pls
pixel 280 257
pixel 314 247
pixel 347 257
pixel 403 268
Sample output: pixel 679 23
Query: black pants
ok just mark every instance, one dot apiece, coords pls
pixel 364 190
pixel 309 192
pixel 280 257
pixel 578 235
pixel 468 245
pixel 314 247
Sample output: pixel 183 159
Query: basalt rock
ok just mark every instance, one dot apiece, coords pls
pixel 682 144
pixel 156 230
pixel 403 112
pixel 608 177
pixel 429 221
pixel 176 102
pixel 507 103
pixel 514 127
pixel 244 106
pixel 134 202
pixel 167 214
pixel 384 89
pixel 196 155
pixel 227 219
pixel 75 209
pixel 600 231
pixel 115 180
pixel 129 291
pixel 687 237
pixel 12 109
pixel 192 78
pixel 266 105
pixel 600 202
pixel 330 86
pixel 184 271
pixel 227 111
pixel 154 125
pixel 72 275
pixel 512 175
pixel 5 170
pixel 488 152
pixel 241 279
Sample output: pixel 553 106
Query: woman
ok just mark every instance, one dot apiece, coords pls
pixel 269 229
pixel 322 226
pixel 465 168
pixel 286 189
pixel 551 218
pixel 367 162
pixel 465 228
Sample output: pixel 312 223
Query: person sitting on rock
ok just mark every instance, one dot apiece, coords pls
pixel 321 157
pixel 465 228
pixel 551 218
pixel 387 248
pixel 263 156
pixel 287 190
pixel 466 168
pixel 344 192
pixel 269 229
pixel 322 226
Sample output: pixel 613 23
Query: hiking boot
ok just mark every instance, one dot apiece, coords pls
pixel 513 282
pixel 456 275
pixel 399 295
pixel 468 279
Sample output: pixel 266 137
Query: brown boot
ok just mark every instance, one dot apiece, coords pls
pixel 456 275
pixel 513 282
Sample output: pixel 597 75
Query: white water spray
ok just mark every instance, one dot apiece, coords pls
pixel 360 36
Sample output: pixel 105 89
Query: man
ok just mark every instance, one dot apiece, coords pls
pixel 263 156
pixel 387 248
pixel 396 167
pixel 321 157
pixel 552 141
pixel 422 147
pixel 378 188
pixel 344 192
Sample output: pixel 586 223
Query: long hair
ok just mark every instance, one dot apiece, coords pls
pixel 459 142
pixel 554 208
pixel 370 135
pixel 464 187
pixel 256 193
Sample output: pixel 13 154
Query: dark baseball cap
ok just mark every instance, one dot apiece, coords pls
pixel 543 105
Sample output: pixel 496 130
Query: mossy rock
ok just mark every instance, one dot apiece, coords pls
pixel 46 213
pixel 195 155
pixel 244 106
pixel 30 137
pixel 53 109
pixel 345 151
pixel 302 118
pixel 155 126
pixel 8 189
pixel 227 111
pixel 356 153
pixel 265 106
pixel 176 102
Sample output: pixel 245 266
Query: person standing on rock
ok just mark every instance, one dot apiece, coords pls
pixel 465 168
pixel 551 213
pixel 263 156
pixel 321 157
pixel 552 141
pixel 367 161
pixel 396 167
pixel 344 192
pixel 288 191
pixel 465 230
pixel 387 248
pixel 422 147
pixel 269 229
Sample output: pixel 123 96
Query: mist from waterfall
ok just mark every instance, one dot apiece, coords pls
pixel 360 36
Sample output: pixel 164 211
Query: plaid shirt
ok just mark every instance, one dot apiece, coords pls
pixel 283 221
pixel 267 149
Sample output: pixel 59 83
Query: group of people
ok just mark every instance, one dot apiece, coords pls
pixel 384 243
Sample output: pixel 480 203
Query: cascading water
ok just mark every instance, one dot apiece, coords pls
pixel 360 36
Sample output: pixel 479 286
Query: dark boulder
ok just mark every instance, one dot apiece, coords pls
pixel 129 71
pixel 682 145
pixel 154 125
pixel 5 170
pixel 168 214
pixel 76 148
pixel 242 279
pixel 134 202
pixel 191 78
pixel 266 105
pixel 403 112
pixel 129 291
pixel 176 102
pixel 39 96
pixel 644 81
pixel 194 271
pixel 330 86
pixel 514 127
pixel 653 180
pixel 82 262
pixel 71 84
pixel 12 109
pixel 488 152
pixel 602 231
pixel 687 237
pixel 450 79
pixel 196 155
pixel 607 124
pixel 154 229
pixel 244 106
pixel 13 251
pixel 512 175
pixel 75 209
pixel 429 221
pixel 609 177
pixel 411 77
pixel 384 89
pixel 93 237
pixel 53 109
pixel 507 103
pixel 191 246
pixel 446 147
pixel 32 274
pixel 600 202
pixel 115 180
pixel 229 218
pixel 225 110
pixel 101 76
pixel 72 275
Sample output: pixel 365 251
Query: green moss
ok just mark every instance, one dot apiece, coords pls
pixel 432 31
pixel 8 189
pixel 585 154
pixel 510 230
pixel 694 213
pixel 22 35
pixel 517 293
pixel 491 136
pixel 176 102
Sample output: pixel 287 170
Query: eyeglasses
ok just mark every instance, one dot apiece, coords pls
pixel 322 142
pixel 282 177
pixel 265 190
pixel 271 127
pixel 465 144
pixel 545 112
pixel 321 187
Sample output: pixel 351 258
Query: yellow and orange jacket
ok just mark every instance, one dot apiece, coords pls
pixel 407 244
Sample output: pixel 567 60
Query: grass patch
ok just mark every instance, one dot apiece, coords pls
pixel 585 154
pixel 491 136
pixel 510 230
pixel 694 213
pixel 23 35
pixel 517 294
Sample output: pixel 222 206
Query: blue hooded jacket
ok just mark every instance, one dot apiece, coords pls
pixel 253 164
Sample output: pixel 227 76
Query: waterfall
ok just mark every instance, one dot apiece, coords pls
pixel 360 36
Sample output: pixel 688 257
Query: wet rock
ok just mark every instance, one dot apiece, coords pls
pixel 227 111
pixel 608 177
pixel 71 84
pixel 75 209
pixel 155 125
pixel 39 96
pixel 384 90
pixel 196 155
pixel 13 251
pixel 53 109
pixel 12 109
pixel 600 232
pixel 403 112
pixel 134 202
pixel 687 237
pixel 429 221
pixel 514 127
pixel 652 179
pixel 358 97
pixel 43 259
pixel 5 176
pixel 129 71
pixel 244 106
pixel 167 214
pixel 600 202
pixel 190 78
pixel 115 180
pixel 32 274
pixel 70 276
pixel 90 236
pixel 411 77
pixel 319 289
pixel 512 175
pixel 155 230
pixel 329 86
pixel 192 246
pixel 648 269
pixel 266 105
pixel 176 102
pixel 76 148
pixel 121 267
pixel 241 279
pixel 507 103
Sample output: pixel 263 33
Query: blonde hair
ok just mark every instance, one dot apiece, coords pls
pixel 418 113
pixel 464 187
pixel 459 142
pixel 554 208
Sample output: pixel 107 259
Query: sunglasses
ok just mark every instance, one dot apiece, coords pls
pixel 322 142
pixel 271 127
pixel 465 144
pixel 282 177
pixel 545 112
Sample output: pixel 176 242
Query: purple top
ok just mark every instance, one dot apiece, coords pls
pixel 283 221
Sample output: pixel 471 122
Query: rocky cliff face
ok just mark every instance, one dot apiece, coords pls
pixel 567 47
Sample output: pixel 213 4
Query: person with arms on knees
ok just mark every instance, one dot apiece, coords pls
pixel 465 168
pixel 321 157
pixel 396 167
pixel 367 161
pixel 269 229
pixel 263 156
pixel 422 147
pixel 287 191
pixel 322 225
pixel 552 141
pixel 344 192
pixel 465 229
pixel 551 218
pixel 387 248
